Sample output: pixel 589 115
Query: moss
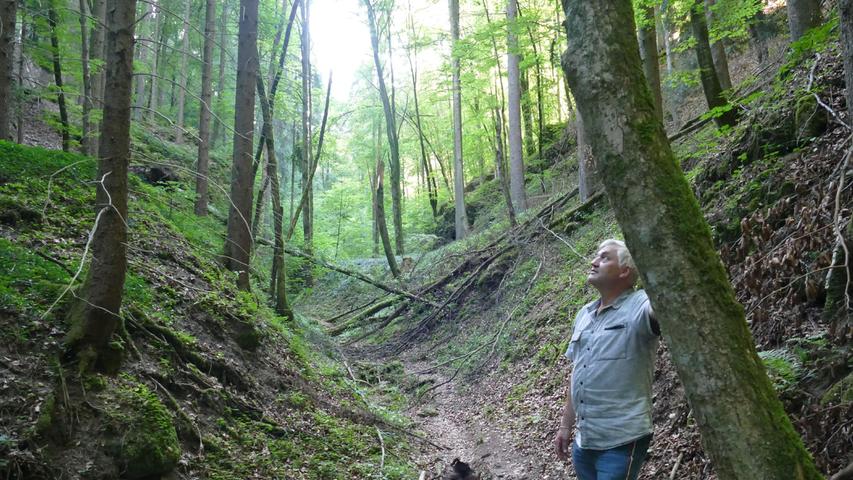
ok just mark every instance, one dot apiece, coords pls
pixel 839 393
pixel 149 444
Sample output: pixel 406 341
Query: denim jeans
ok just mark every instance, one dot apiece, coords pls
pixel 617 463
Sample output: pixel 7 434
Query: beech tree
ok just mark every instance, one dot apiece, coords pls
pixel 52 22
pixel 744 428
pixel 238 243
pixel 8 14
pixel 707 71
pixel 516 160
pixel 802 15
pixel 95 317
pixel 461 217
pixel 204 110
pixel 647 35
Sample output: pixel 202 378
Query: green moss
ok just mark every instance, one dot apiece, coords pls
pixel 149 443
pixel 28 282
pixel 839 393
pixel 783 367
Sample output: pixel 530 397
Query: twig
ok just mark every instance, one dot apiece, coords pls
pixel 817 98
pixel 180 411
pixel 675 467
pixel 541 223
pixel 837 224
pixel 381 445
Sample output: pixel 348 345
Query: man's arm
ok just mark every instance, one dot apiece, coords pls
pixel 562 441
pixel 653 322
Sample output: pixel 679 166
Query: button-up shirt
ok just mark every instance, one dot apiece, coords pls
pixel 613 353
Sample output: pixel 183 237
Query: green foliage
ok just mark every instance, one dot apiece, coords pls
pixel 28 282
pixel 813 41
pixel 783 367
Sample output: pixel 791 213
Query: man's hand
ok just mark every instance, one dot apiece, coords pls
pixel 562 442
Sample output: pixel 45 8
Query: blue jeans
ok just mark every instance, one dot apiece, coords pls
pixel 617 463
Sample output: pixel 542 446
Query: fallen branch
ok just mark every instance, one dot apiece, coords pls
pixel 360 276
pixel 387 321
pixel 355 309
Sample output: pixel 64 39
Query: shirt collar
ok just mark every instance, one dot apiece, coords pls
pixel 616 303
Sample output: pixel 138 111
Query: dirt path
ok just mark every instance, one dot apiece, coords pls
pixel 446 416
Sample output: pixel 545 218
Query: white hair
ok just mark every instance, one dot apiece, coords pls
pixel 622 254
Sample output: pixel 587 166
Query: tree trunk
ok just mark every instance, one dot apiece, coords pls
pixel 707 72
pixel 718 51
pixel 182 88
pixel 390 131
pixel 97 41
pixel 220 82
pixel 499 168
pixel 743 425
pixel 57 75
pixel 20 107
pixel 461 217
pixel 278 283
pixel 529 139
pixel 142 53
pixel 154 96
pixel 845 20
pixel 307 148
pixel 238 245
pixel 379 207
pixel 8 15
pixel 87 84
pixel 95 317
pixel 204 110
pixel 588 180
pixel 516 159
pixel 429 178
pixel 647 36
pixel 803 15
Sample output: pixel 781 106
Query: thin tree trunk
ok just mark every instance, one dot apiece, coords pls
pixel 718 51
pixel 499 167
pixel 845 20
pixel 87 84
pixel 529 139
pixel 744 427
pixel 204 110
pixel 259 203
pixel 372 179
pixel 649 53
pixel 182 87
pixel 21 63
pixel 516 160
pixel 95 317
pixel 429 178
pixel 588 180
pixel 379 206
pixel 307 148
pixel 8 15
pixel 390 129
pixel 238 245
pixel 707 72
pixel 154 96
pixel 97 41
pixel 802 16
pixel 396 165
pixel 220 82
pixel 460 215
pixel 57 75
pixel 142 53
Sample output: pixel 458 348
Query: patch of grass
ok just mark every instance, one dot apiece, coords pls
pixel 28 283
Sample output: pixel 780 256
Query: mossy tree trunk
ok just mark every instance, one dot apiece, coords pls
pixel 95 317
pixel 718 51
pixel 802 15
pixel 460 215
pixel 238 244
pixel 647 35
pixel 52 22
pixel 845 20
pixel 8 14
pixel 743 425
pixel 379 209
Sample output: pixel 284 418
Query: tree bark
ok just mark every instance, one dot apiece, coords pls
pixel 203 169
pixel 516 158
pixel 238 245
pixel 461 216
pixel 718 51
pixel 499 168
pixel 182 87
pixel 95 317
pixel 379 206
pixel 429 178
pixel 707 72
pixel 154 96
pixel 588 179
pixel 647 36
pixel 87 84
pixel 21 62
pixel 743 425
pixel 307 148
pixel 803 15
pixel 8 15
pixel 390 131
pixel 142 54
pixel 97 41
pixel 52 21
pixel 845 20
pixel 220 82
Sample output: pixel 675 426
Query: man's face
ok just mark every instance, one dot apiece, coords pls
pixel 605 270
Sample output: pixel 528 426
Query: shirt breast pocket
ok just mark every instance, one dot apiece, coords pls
pixel 611 343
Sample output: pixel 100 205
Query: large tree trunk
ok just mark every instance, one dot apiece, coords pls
pixel 647 36
pixel 8 15
pixel 220 82
pixel 516 159
pixel 95 317
pixel 707 72
pixel 182 80
pixel 87 84
pixel 718 51
pixel 803 15
pixel 588 180
pixel 744 428
pixel 238 244
pixel 204 110
pixel 52 22
pixel 390 131
pixel 461 217
pixel 307 148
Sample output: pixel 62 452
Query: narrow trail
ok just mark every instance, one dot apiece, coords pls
pixel 445 415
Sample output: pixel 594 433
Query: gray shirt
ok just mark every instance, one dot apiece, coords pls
pixel 613 353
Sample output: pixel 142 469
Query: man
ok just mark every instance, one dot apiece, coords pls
pixel 613 347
